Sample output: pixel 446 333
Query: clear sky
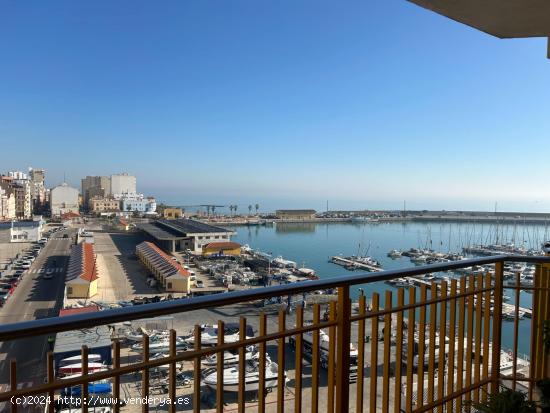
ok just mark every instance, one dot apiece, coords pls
pixel 285 103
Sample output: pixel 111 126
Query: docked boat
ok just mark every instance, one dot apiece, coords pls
pixel 76 368
pixel 251 379
pixel 395 254
pixel 92 358
pixel 164 367
pixel 209 334
pixel 231 358
pixel 161 345
pixel 97 387
pixel 282 263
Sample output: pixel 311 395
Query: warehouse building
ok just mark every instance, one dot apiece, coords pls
pixel 295 214
pixel 184 234
pixel 221 249
pixel 170 274
pixel 82 272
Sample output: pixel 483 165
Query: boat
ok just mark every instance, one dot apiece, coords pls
pixel 232 357
pixel 162 345
pixel 209 334
pixel 282 263
pixel 395 254
pixel 92 358
pixel 77 368
pixel 306 272
pixel 164 367
pixel 251 378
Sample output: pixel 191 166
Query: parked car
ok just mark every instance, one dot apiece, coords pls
pixel 42 240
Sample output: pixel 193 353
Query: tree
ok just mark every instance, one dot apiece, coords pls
pixel 257 206
pixel 249 209
pixel 235 208
pixel 213 210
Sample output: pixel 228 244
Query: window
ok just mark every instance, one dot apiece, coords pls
pixel 169 285
pixel 69 290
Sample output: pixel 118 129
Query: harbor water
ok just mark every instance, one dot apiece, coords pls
pixel 312 244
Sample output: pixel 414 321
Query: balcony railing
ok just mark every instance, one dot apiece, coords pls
pixel 439 348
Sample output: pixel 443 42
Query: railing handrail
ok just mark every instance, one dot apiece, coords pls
pixel 44 326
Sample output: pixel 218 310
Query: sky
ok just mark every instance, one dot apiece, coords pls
pixel 363 104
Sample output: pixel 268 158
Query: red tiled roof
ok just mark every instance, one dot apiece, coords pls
pixel 70 311
pixel 227 245
pixel 166 258
pixel 82 263
pixel 89 270
pixel 69 215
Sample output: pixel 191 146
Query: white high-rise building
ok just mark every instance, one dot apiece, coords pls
pixel 122 184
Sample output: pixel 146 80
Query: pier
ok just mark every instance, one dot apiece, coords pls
pixel 351 263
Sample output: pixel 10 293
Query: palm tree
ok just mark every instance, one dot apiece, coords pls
pixel 249 209
pixel 257 206
pixel 213 210
pixel 235 208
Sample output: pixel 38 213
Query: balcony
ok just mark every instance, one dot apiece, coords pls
pixel 431 346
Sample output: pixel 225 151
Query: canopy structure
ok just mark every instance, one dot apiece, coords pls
pixel 505 19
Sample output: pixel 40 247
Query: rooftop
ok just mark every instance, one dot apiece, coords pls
pixel 161 233
pixel 189 226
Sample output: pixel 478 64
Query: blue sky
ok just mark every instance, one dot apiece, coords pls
pixel 285 103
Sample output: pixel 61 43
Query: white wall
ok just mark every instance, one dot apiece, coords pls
pixel 64 198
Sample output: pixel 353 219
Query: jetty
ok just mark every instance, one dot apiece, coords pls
pixel 350 263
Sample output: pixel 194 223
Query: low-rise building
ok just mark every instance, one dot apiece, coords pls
pixel 138 203
pixel 221 249
pixel 300 214
pixel 82 275
pixel 170 213
pixel 25 231
pixel 184 234
pixel 99 205
pixel 170 274
pixel 64 199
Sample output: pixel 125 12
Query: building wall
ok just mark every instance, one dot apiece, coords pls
pixel 206 238
pixel 172 213
pixel 25 234
pixel 81 290
pixel 64 199
pixel 104 204
pixel 295 214
pixel 214 251
pixel 123 184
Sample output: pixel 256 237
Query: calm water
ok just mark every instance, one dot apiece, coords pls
pixel 311 245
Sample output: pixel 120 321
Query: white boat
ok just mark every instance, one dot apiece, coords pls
pixel 282 263
pixel 77 368
pixel 161 345
pixel 209 334
pixel 306 272
pixel 137 335
pixel 251 378
pixel 394 254
pixel 232 357
pixel 92 358
pixel 164 367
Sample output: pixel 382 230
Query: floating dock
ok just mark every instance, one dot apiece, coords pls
pixel 346 262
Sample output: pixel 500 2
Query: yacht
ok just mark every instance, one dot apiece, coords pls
pixel 395 254
pixel 232 357
pixel 161 345
pixel 209 334
pixel 251 379
pixel 282 263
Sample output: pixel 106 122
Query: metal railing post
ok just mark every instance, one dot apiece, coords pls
pixel 342 349
pixel 497 327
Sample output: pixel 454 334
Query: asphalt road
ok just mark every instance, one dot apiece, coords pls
pixel 34 298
